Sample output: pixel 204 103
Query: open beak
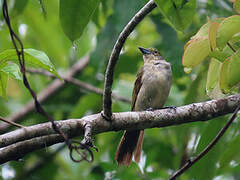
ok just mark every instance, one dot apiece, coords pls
pixel 144 51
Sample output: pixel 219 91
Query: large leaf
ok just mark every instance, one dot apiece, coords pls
pixel 33 58
pixel 75 15
pixel 179 12
pixel 227 28
pixel 229 73
pixel 204 30
pixel 212 86
pixel 196 50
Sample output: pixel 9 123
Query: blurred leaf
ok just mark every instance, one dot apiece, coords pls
pixel 75 15
pixel 231 153
pixel 19 6
pixel 85 105
pixel 3 84
pixel 170 45
pixel 179 12
pixel 114 25
pixel 236 6
pixel 205 168
pixel 33 58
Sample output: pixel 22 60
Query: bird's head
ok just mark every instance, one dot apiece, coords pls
pixel 150 54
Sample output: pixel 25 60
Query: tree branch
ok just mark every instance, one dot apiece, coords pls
pixel 17 143
pixel 45 94
pixel 80 84
pixel 138 17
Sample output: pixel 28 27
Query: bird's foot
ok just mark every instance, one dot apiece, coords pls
pixel 169 107
pixel 105 117
pixel 150 109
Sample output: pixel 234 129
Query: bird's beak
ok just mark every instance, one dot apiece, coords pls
pixel 144 51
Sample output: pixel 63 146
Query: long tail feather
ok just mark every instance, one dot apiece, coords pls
pixel 131 142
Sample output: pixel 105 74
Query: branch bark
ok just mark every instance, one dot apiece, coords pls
pixel 17 143
pixel 138 17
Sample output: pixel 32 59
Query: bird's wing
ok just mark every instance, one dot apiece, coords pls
pixel 137 87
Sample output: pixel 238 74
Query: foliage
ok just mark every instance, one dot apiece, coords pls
pixel 61 33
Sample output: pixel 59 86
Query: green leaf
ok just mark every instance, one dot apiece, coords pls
pixel 3 84
pixel 75 15
pixel 12 70
pixel 205 168
pixel 204 30
pixel 226 29
pixel 195 51
pixel 178 12
pixel 229 73
pixel 19 7
pixel 212 86
pixel 231 153
pixel 33 58
pixel 212 34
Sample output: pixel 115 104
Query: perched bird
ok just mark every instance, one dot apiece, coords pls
pixel 150 92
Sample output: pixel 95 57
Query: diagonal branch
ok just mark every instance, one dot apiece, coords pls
pixel 16 144
pixel 80 84
pixel 138 17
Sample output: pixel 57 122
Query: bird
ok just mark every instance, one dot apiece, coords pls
pixel 150 92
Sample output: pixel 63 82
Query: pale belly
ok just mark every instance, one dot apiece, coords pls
pixel 154 91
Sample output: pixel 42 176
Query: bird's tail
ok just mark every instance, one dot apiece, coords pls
pixel 130 143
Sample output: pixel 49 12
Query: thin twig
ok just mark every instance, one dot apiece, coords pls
pixel 20 142
pixel 191 162
pixel 49 91
pixel 138 17
pixel 229 45
pixel 12 123
pixel 80 84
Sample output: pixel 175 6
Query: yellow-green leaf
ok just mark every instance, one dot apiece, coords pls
pixel 212 35
pixel 234 72
pixel 212 86
pixel 204 30
pixel 195 52
pixel 223 76
pixel 227 28
pixel 230 74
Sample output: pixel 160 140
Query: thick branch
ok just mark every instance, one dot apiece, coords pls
pixel 45 94
pixel 107 101
pixel 17 143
